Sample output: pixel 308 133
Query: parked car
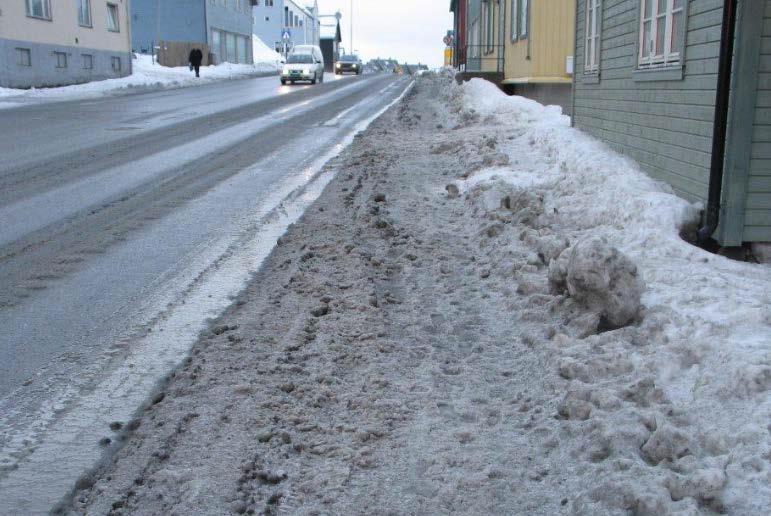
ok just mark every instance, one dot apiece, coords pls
pixel 349 64
pixel 305 63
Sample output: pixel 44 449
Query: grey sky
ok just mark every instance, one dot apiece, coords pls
pixel 408 30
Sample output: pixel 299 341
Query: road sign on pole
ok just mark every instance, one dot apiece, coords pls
pixel 286 34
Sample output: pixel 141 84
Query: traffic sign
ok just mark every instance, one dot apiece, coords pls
pixel 286 34
pixel 449 38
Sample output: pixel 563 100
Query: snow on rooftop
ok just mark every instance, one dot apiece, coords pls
pixel 328 31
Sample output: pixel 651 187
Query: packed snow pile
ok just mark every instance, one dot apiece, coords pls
pixel 262 53
pixel 145 75
pixel 674 406
pixel 600 277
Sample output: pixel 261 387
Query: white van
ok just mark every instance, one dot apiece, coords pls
pixel 305 63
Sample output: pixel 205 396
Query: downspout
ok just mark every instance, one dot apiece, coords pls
pixel 712 215
pixel 575 68
pixel 502 39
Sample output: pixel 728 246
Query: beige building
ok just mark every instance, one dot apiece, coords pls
pixel 59 42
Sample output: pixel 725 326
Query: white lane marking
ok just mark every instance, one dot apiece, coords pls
pixel 34 213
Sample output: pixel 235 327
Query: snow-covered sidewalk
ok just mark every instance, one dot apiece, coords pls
pixel 428 339
pixel 146 76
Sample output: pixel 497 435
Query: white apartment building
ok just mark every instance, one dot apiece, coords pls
pixel 59 42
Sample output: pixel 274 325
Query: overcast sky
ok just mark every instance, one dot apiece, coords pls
pixel 407 30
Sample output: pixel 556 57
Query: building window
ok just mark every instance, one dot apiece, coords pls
pixel 61 59
pixel 662 32
pixel 230 47
pixel 216 45
pixel 486 24
pixel 268 3
pixel 592 41
pixel 84 13
pixel 39 9
pixel 514 20
pixel 113 22
pixel 523 17
pixel 242 53
pixel 474 39
pixel 116 64
pixel 23 57
pixel 88 61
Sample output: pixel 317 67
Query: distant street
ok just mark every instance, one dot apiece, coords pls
pixel 119 213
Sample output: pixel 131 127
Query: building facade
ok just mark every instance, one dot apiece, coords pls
pixel 538 62
pixel 646 82
pixel 330 41
pixel 271 18
pixel 59 42
pixel 458 8
pixel 480 49
pixel 225 26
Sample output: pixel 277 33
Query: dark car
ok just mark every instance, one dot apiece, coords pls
pixel 348 64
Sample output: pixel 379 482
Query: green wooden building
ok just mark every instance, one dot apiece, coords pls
pixel 649 80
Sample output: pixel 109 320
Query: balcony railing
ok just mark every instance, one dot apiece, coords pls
pixel 480 58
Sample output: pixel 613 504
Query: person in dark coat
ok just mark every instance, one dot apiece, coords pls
pixel 196 57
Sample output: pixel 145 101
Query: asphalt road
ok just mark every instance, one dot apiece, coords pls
pixel 120 215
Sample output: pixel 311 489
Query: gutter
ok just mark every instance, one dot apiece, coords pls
pixel 128 35
pixel 717 164
pixel 573 79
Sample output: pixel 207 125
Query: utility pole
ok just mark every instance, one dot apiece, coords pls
pixel 351 27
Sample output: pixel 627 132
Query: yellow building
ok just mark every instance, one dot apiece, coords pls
pixel 538 49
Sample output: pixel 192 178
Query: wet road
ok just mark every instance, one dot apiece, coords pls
pixel 125 224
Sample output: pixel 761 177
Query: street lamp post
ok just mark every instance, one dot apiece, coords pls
pixel 351 26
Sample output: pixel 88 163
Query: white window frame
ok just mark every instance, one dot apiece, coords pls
pixel 646 56
pixel 113 8
pixel 46 8
pixel 119 61
pixel 84 14
pixel 592 36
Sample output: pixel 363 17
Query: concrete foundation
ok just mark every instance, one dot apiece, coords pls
pixel 494 77
pixel 57 65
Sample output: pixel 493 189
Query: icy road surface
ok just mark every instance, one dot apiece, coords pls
pixel 127 223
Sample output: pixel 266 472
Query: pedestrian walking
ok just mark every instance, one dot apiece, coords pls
pixel 196 57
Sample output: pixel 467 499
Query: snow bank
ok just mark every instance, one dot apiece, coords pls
pixel 682 423
pixel 147 75
pixel 262 53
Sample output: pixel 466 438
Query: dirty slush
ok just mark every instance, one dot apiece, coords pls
pixel 403 351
